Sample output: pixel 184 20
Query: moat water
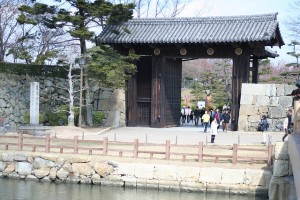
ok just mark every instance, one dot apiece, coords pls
pixel 27 190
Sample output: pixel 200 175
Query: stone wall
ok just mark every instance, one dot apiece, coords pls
pixel 282 184
pixel 264 99
pixel 94 170
pixel 15 97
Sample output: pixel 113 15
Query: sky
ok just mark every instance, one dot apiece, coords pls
pixel 249 7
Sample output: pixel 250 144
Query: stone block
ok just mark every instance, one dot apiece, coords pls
pixel 281 168
pixel 62 174
pixel 129 181
pixel 282 188
pixel 41 172
pixel 218 188
pixel 281 151
pixel 126 169
pixel 187 173
pixel 168 185
pixel 285 101
pixel 78 159
pixel 40 163
pixel 2 166
pixel 118 94
pixel 228 178
pixel 210 175
pixel 280 90
pixel 248 110
pixel 67 166
pixel 254 118
pixel 274 101
pixel 85 180
pixel 246 99
pixel 52 173
pixel 82 168
pixel 20 157
pixel 262 100
pixel 113 119
pixel 257 177
pixel 23 168
pixel 103 169
pixel 13 175
pixel 8 157
pixel 165 172
pixel 50 157
pixel 152 183
pixel 253 89
pixel 271 90
pixel 247 190
pixel 243 122
pixel 144 171
pixel 45 179
pixel 192 186
pixel 142 183
pixel 96 179
pixel 263 109
pixel 9 168
pixel 31 178
pixel 288 89
pixel 276 112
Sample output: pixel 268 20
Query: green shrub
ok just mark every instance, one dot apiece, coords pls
pixel 27 118
pixel 98 117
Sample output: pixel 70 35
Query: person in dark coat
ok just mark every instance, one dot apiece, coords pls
pixel 225 120
pixel 197 115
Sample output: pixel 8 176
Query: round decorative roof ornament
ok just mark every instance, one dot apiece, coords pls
pixel 210 51
pixel 131 51
pixel 238 51
pixel 183 51
pixel 157 51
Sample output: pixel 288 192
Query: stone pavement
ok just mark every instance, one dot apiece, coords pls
pixel 187 134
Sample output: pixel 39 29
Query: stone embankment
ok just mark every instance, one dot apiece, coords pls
pixel 92 170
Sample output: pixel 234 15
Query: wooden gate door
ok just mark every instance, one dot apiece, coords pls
pixel 144 91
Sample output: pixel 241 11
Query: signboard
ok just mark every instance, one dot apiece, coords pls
pixel 201 104
pixel 34 102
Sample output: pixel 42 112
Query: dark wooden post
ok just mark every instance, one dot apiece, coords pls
pixel 240 74
pixel 136 148
pixel 255 70
pixel 20 141
pixel 76 144
pixel 131 101
pixel 168 148
pixel 234 154
pixel 158 92
pixel 200 151
pixel 105 146
pixel 47 144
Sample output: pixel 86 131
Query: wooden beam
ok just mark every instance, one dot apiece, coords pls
pixel 240 74
pixel 255 70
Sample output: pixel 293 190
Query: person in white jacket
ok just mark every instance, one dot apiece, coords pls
pixel 213 130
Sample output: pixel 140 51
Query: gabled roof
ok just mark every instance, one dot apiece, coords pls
pixel 234 29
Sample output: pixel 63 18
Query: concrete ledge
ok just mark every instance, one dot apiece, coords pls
pixel 294 153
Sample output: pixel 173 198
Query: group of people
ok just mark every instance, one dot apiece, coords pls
pixel 287 126
pixel 213 117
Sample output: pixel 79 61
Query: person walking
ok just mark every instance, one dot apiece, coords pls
pixel 197 115
pixel 188 114
pixel 183 115
pixel 205 119
pixel 213 130
pixel 264 128
pixel 225 120
pixel 287 124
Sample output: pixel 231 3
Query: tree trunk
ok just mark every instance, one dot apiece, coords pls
pixel 71 98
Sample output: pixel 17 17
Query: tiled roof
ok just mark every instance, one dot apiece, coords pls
pixel 233 29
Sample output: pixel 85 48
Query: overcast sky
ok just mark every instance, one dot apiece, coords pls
pixel 248 7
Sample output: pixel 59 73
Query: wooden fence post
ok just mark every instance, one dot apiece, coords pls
pixel 135 148
pixel 47 145
pixel 105 146
pixel 234 154
pixel 168 148
pixel 200 151
pixel 20 141
pixel 76 144
pixel 270 153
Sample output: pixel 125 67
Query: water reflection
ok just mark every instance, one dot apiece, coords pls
pixel 26 190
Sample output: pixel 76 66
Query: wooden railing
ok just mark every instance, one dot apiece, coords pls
pixel 216 153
